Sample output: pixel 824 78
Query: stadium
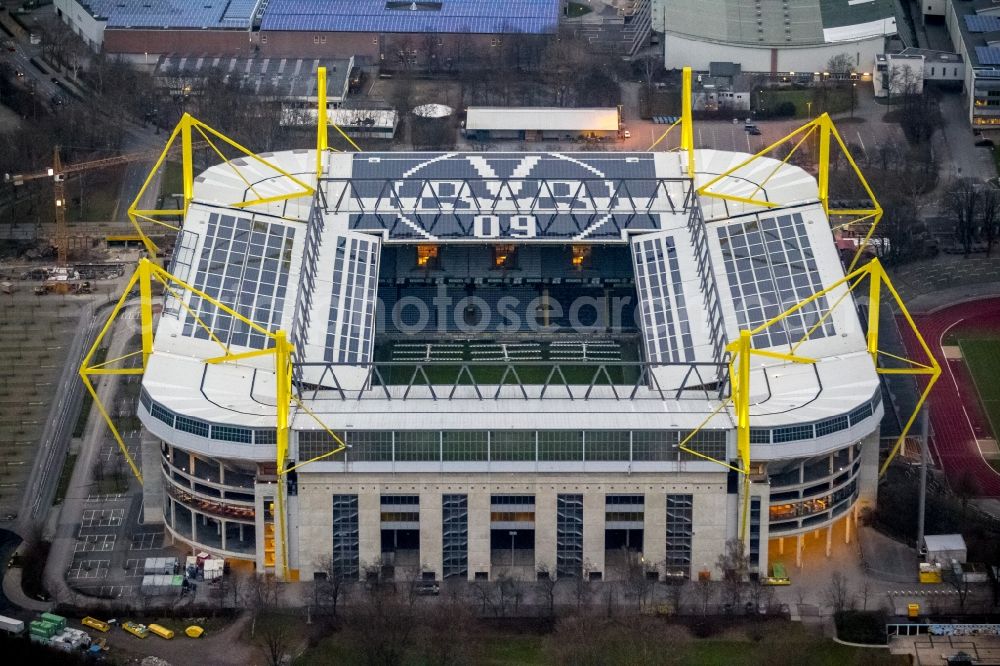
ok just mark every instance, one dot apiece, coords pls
pixel 506 363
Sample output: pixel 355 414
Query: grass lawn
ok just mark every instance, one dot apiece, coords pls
pixel 64 477
pixel 533 650
pixel 982 357
pixel 830 100
pixel 576 9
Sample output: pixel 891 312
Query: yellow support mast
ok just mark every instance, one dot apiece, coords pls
pixel 687 122
pixel 212 138
pixel 826 136
pixel 321 122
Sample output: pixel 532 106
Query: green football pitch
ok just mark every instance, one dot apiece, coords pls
pixel 623 370
pixel 982 357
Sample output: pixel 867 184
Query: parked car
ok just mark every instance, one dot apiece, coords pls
pixel 427 588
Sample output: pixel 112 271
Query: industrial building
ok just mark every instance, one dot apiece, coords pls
pixel 770 36
pixel 974 27
pixel 506 363
pixel 290 80
pixel 486 123
pixel 376 31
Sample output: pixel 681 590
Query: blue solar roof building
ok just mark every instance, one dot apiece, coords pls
pixel 377 29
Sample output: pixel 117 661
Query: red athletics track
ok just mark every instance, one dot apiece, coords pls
pixel 956 414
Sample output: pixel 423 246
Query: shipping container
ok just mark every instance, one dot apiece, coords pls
pixel 10 625
pixel 137 630
pixel 94 623
pixel 161 631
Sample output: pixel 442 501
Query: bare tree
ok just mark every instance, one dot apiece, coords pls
pixel 704 589
pixel 963 200
pixel 546 586
pixel 329 588
pixel 677 595
pixel 274 639
pixel 840 64
pixel 954 575
pixel 382 625
pixel 582 586
pixel 636 583
pixel 989 212
pixel 837 594
pixel 865 591
pixel 734 565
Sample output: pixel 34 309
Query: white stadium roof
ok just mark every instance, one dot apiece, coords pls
pixel 318 282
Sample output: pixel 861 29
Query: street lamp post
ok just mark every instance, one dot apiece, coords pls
pixel 854 97
pixel 512 533
pixel 809 106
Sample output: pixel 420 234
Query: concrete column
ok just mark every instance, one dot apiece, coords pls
pixel 545 531
pixel 798 551
pixel 868 474
pixel 152 476
pixel 431 539
pixel 369 529
pixel 654 530
pixel 716 518
pixel 829 539
pixel 593 532
pixel 479 532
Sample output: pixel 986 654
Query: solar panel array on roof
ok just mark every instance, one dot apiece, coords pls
pixel 511 196
pixel 446 16
pixel 661 296
pixel 988 55
pixel 770 267
pixel 244 264
pixel 198 14
pixel 352 302
pixel 982 22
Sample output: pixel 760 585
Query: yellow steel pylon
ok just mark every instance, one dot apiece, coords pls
pixel 686 123
pixel 282 350
pixel 322 123
pixel 741 351
pixel 826 133
pixel 185 130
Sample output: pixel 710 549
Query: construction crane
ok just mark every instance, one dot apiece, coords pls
pixel 58 173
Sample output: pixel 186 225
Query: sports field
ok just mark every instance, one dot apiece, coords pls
pixel 600 362
pixel 982 357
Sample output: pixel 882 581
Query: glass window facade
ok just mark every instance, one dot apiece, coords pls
pixel 569 536
pixel 457 445
pixel 680 530
pixel 346 558
pixel 512 445
pixel 560 445
pixel 608 444
pixel 455 535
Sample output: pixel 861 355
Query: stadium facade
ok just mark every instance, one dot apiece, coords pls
pixel 514 348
